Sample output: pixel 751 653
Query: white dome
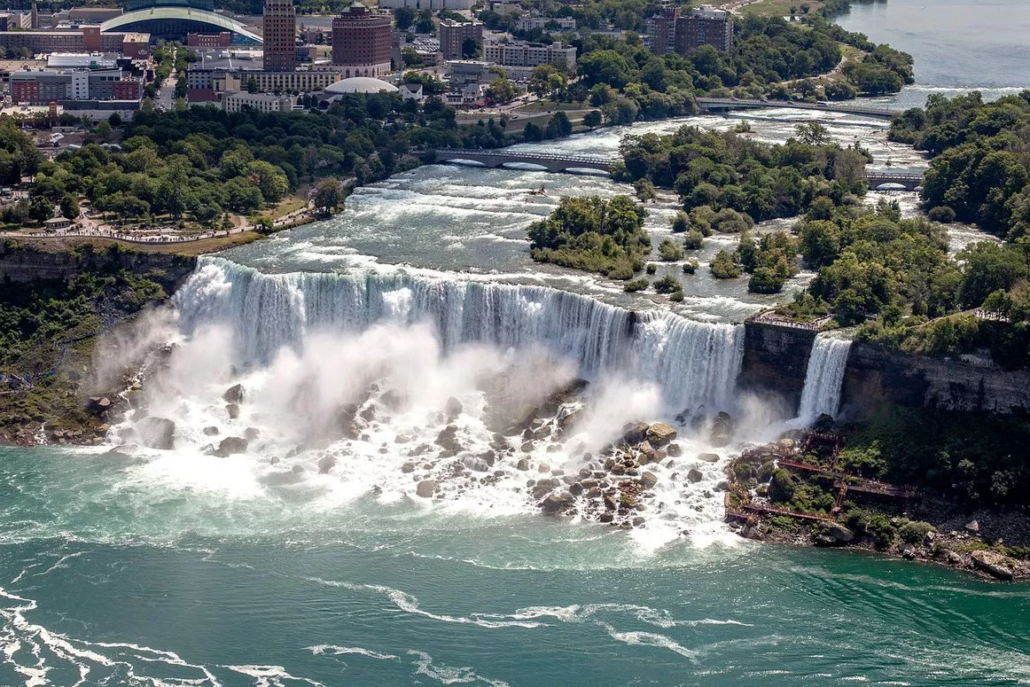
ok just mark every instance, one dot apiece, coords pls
pixel 360 84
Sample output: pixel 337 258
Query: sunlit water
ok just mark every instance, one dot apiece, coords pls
pixel 310 558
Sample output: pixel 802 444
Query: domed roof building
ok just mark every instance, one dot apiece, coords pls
pixel 360 84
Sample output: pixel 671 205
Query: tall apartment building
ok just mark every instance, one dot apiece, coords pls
pixel 523 54
pixel 453 35
pixel 280 36
pixel 361 42
pixel 704 26
pixel 661 31
pixel 533 23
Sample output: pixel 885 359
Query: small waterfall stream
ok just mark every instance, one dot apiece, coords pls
pixel 825 376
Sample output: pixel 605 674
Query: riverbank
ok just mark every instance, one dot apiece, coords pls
pixel 801 491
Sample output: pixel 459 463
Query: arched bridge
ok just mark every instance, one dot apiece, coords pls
pixel 723 104
pixel 910 180
pixel 550 162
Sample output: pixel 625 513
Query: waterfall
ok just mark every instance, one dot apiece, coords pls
pixel 826 364
pixel 694 363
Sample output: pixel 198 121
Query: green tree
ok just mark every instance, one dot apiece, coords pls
pixel 329 196
pixel 404 17
pixel 41 209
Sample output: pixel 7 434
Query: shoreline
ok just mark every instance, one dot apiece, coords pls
pixel 951 536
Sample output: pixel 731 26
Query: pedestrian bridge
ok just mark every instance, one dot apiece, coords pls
pixel 724 104
pixel 550 162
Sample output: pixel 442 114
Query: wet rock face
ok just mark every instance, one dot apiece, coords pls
pixel 230 446
pixel 157 432
pixel 994 564
pixel 659 434
pixel 233 394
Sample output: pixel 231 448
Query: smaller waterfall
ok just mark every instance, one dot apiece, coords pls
pixel 826 363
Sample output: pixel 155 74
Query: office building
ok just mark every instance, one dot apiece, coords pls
pixel 280 36
pixel 523 54
pixel 262 102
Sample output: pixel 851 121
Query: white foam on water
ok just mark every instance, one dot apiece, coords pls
pixel 334 650
pixel 448 675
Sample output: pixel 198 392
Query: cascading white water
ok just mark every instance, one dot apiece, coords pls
pixel 695 364
pixel 824 378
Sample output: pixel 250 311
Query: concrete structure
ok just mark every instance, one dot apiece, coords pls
pixel 523 54
pixel 534 23
pixel 262 102
pixel 93 15
pixel 704 26
pixel 434 5
pixel 280 36
pixel 725 104
pixel 87 40
pixel 361 42
pixel 209 85
pixel 453 35
pixel 178 22
pixel 62 60
pixel 461 72
pixel 552 163
pixel 506 7
pixel 14 20
pixel 360 84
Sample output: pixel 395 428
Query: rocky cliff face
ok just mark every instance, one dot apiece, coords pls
pixel 877 375
pixel 23 262
pixel 776 361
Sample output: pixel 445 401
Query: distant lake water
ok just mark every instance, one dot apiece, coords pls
pixel 957 44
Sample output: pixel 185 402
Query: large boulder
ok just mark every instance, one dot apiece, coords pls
pixel 326 464
pixel 522 418
pixel 659 434
pixel 839 532
pixel 453 408
pixel 994 564
pixel 555 504
pixel 722 430
pixel 233 410
pixel 447 441
pixel 648 480
pixel 708 457
pixel 426 488
pixel 569 420
pixel 634 432
pixel 231 446
pixel 233 394
pixel 157 432
pixel 694 476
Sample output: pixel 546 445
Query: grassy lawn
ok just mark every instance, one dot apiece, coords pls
pixel 779 8
pixel 292 203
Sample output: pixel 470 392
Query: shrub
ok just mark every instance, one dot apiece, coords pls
pixel 667 284
pixel 636 285
pixel 880 529
pixel 652 268
pixel 677 295
pixel 915 531
pixel 693 240
pixel 942 214
pixel 680 222
pixel 723 266
pixel 670 251
pixel 690 266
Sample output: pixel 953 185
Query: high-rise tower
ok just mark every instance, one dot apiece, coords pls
pixel 280 20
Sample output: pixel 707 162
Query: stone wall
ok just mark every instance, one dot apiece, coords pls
pixel 776 361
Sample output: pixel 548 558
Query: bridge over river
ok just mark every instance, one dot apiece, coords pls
pixel 564 163
pixel 724 104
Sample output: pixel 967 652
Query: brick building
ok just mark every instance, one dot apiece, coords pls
pixel 280 36
pixel 453 35
pixel 361 42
